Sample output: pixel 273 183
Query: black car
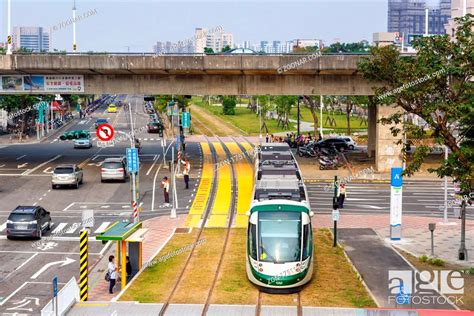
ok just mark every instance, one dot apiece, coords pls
pixel 28 221
pixel 155 127
pixel 338 143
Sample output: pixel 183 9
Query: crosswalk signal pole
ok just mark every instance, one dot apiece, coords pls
pixel 83 265
pixel 335 206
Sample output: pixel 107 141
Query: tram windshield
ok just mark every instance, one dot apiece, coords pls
pixel 280 236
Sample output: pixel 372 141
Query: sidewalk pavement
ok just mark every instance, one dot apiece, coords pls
pixel 416 238
pixel 7 139
pixel 159 230
pixel 374 260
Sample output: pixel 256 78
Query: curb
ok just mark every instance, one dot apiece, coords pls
pixel 370 181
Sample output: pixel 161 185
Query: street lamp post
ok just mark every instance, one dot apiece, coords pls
pixel 9 14
pixel 321 115
pixel 74 44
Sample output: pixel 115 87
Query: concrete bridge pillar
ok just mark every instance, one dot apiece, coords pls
pixel 371 126
pixel 387 152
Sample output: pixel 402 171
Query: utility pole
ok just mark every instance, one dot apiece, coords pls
pixel 74 44
pixel 173 182
pixel 321 115
pixel 9 38
pixel 260 120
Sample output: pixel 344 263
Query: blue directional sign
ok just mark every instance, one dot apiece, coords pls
pixel 186 119
pixel 132 159
pixel 55 286
pixel 396 179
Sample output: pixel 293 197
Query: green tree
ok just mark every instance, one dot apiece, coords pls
pixel 208 50
pixel 283 108
pixel 360 47
pixel 228 105
pixel 351 102
pixel 436 86
pixel 226 49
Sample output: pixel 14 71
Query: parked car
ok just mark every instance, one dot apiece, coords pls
pixel 83 142
pixel 114 169
pixel 28 221
pixel 100 121
pixel 338 143
pixel 67 175
pixel 112 108
pixel 350 142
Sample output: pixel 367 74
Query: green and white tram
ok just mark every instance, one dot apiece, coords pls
pixel 280 235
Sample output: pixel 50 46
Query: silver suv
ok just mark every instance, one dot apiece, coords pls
pixel 67 175
pixel 114 169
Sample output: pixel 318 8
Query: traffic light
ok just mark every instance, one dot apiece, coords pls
pixel 74 135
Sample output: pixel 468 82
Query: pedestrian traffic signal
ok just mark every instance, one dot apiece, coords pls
pixel 74 135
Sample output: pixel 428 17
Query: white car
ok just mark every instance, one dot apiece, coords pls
pixel 350 142
pixel 83 143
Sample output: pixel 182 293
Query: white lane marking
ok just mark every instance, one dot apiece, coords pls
pixel 125 206
pixel 59 228
pixel 20 157
pixel 22 165
pixel 40 198
pixel 3 226
pixel 155 159
pixel 46 266
pixel 104 206
pixel 73 228
pixel 102 227
pixel 34 204
pixel 67 207
pixel 1 166
pixel 154 186
pixel 47 170
pixel 41 165
pixel 13 293
pixel 27 260
pixel 81 122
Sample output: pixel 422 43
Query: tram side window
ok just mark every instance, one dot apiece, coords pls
pixel 307 239
pixel 253 241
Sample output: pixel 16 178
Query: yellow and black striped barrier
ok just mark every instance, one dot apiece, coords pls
pixel 83 264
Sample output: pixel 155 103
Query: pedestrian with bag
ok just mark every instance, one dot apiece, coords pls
pixel 165 184
pixel 111 274
pixel 186 169
pixel 341 195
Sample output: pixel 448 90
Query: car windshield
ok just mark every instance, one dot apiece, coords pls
pixel 112 165
pixel 64 170
pixel 280 236
pixel 16 217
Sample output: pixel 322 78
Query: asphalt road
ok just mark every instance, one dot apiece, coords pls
pixel 25 179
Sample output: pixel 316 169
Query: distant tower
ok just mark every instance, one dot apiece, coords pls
pixel 74 44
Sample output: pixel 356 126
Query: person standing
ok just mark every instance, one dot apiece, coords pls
pixel 341 195
pixel 112 270
pixel 186 169
pixel 165 184
pixel 267 138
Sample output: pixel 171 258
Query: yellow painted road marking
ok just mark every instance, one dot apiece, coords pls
pixel 223 195
pixel 244 174
pixel 204 189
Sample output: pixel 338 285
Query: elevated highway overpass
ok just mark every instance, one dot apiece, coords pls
pixel 200 74
pixel 214 75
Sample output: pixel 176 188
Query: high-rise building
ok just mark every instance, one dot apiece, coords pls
pixel 218 40
pixel 457 11
pixel 36 39
pixel 200 37
pixel 408 16
pixel 304 43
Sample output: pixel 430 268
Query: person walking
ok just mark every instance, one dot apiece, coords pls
pixel 341 195
pixel 165 184
pixel 186 169
pixel 112 270
pixel 128 269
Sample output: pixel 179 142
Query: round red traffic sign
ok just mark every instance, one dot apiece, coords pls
pixel 105 132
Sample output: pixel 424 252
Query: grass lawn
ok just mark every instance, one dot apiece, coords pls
pixel 467 298
pixel 341 119
pixel 248 122
pixel 155 283
pixel 334 282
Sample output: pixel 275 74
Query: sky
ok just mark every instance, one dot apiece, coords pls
pixel 136 25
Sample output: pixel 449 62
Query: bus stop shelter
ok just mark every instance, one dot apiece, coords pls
pixel 129 236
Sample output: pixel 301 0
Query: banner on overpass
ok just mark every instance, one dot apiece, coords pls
pixel 42 83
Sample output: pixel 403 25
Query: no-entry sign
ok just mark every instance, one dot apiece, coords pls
pixel 105 132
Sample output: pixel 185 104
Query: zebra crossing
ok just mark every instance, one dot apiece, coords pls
pixel 423 198
pixel 95 139
pixel 67 229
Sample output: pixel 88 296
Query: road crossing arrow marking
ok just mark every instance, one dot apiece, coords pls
pixel 47 170
pixel 46 266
